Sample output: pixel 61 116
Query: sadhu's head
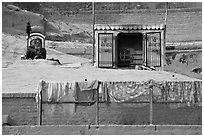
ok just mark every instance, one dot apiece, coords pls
pixel 36 43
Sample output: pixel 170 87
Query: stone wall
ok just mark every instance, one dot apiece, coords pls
pixel 22 109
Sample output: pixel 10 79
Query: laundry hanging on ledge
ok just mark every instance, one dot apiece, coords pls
pixel 125 91
pixel 56 91
pixel 67 91
pixel 189 92
pixel 52 91
pixel 86 91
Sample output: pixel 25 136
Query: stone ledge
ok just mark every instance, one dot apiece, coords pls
pixel 103 130
pixel 18 95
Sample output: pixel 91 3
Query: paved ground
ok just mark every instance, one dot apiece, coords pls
pixel 103 130
pixel 24 75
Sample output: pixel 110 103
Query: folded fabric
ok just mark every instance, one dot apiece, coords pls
pixel 88 85
pixel 86 91
pixel 104 92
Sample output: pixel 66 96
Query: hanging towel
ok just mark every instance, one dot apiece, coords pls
pixel 104 92
pixel 56 92
pixel 86 91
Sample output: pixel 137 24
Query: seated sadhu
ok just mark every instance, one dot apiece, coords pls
pixel 35 50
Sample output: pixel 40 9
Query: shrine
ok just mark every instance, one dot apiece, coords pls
pixel 125 46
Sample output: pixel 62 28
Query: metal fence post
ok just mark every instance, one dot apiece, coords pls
pixel 40 109
pixel 97 106
pixel 151 106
